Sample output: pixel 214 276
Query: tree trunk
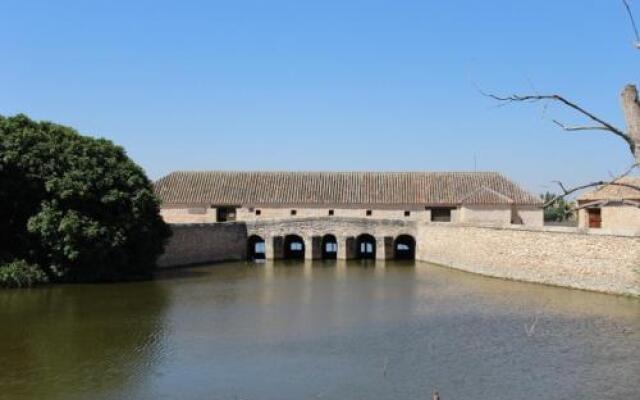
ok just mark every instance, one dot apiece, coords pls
pixel 631 109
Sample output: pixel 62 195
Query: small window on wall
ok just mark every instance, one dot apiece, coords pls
pixel 407 213
pixel 258 212
pixel 225 214
pixel 369 213
pixel 441 214
pixel 294 212
pixel 330 212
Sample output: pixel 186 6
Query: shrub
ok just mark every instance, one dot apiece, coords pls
pixel 560 210
pixel 19 274
pixel 75 205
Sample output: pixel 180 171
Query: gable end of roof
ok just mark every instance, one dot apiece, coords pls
pixel 486 196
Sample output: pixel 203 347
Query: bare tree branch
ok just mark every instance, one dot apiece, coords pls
pixel 580 127
pixel 567 192
pixel 555 97
pixel 633 22
pixel 613 182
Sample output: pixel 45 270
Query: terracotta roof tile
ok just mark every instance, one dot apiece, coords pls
pixel 339 188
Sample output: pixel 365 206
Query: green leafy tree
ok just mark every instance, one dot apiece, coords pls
pixel 18 274
pixel 74 205
pixel 557 209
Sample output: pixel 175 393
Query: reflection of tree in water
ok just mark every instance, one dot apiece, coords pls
pixel 79 341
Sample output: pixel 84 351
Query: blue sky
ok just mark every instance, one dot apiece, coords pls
pixel 326 85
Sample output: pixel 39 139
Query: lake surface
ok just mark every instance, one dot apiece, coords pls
pixel 318 331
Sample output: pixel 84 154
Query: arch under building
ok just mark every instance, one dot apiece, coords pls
pixel 404 248
pixel 293 247
pixel 366 247
pixel 255 248
pixel 329 247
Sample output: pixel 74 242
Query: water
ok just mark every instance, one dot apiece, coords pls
pixel 318 331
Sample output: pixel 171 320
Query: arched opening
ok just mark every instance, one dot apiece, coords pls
pixel 366 247
pixel 329 247
pixel 255 248
pixel 404 248
pixel 293 247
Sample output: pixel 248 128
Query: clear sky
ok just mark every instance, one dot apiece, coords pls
pixel 326 85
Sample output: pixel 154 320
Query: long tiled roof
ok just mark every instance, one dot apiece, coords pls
pixel 615 192
pixel 339 188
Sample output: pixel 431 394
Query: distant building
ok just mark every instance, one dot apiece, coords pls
pixel 611 207
pixel 465 197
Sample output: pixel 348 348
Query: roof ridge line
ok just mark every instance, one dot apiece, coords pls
pixel 330 172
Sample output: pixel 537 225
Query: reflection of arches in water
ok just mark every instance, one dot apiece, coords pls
pixel 293 247
pixel 255 248
pixel 329 247
pixel 404 248
pixel 366 247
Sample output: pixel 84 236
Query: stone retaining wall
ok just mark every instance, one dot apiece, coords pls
pixel 562 257
pixel 345 230
pixel 576 258
pixel 202 243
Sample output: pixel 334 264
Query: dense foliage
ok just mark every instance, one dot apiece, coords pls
pixel 19 273
pixel 558 211
pixel 76 206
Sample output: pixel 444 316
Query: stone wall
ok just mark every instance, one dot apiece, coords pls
pixel 249 214
pixel 496 214
pixel 202 243
pixel 619 218
pixel 483 214
pixel 571 257
pixel 557 256
pixel 346 231
pixel 531 216
pixel 200 215
pixel 197 215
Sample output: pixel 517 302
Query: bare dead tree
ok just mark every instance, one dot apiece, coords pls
pixel 600 124
pixel 631 136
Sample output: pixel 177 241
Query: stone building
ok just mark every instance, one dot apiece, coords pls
pixel 476 222
pixel 460 197
pixel 613 207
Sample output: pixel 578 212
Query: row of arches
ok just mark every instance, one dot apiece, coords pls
pixel 364 247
